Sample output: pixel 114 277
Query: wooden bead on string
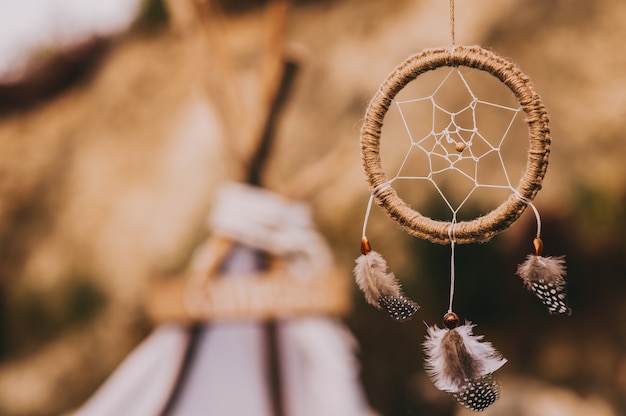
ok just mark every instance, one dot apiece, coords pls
pixel 538 244
pixel 450 320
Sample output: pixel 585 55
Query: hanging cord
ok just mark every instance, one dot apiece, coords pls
pixel 375 193
pixel 367 214
pixel 451 234
pixel 451 275
pixel 535 210
pixel 530 204
pixel 452 40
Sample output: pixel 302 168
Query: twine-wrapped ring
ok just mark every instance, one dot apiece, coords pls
pixel 499 219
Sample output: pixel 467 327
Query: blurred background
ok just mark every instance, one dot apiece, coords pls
pixel 118 122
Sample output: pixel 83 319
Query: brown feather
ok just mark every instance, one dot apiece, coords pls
pixel 381 288
pixel 546 269
pixel 459 362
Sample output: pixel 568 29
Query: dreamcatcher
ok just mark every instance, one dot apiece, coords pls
pixel 457 361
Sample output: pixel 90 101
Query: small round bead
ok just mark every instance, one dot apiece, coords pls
pixel 450 320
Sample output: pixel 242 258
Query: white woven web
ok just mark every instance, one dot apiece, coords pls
pixel 460 150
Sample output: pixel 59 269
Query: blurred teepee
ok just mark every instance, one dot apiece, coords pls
pixel 251 328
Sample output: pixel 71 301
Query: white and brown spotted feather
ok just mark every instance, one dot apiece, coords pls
pixel 381 288
pixel 460 363
pixel 545 277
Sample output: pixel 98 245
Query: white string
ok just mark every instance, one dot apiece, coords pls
pixel 535 210
pixel 537 217
pixel 435 146
pixel 456 133
pixel 375 193
pixel 452 275
pixel 452 236
pixel 367 213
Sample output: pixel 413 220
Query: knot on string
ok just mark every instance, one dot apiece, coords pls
pixel 453 49
pixel 521 197
pixel 452 231
pixel 380 188
pixel 382 93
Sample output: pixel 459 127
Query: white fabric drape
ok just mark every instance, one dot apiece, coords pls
pixel 142 384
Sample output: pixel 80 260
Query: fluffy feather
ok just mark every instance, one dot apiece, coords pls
pixel 458 362
pixel 382 289
pixel 544 276
pixel 455 355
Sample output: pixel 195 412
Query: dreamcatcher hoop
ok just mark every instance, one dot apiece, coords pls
pixel 499 219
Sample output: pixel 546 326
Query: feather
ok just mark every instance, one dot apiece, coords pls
pixel 479 395
pixel 455 355
pixel 460 363
pixel 382 289
pixel 544 276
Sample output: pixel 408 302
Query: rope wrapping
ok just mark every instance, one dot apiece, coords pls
pixel 484 227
